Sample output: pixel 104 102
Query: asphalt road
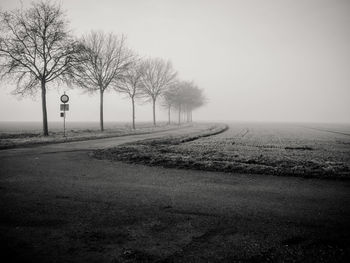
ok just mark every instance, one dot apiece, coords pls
pixel 58 204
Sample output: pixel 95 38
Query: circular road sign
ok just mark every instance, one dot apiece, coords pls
pixel 64 98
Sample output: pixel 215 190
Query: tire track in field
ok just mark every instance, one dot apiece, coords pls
pixel 245 133
pixel 240 135
pixel 325 130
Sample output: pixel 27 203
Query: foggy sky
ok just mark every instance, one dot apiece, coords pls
pixel 256 60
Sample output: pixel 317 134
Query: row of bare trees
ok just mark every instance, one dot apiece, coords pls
pixel 185 97
pixel 37 48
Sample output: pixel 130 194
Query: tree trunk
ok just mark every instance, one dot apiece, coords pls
pixel 179 115
pixel 44 110
pixel 154 111
pixel 101 109
pixel 169 115
pixel 133 112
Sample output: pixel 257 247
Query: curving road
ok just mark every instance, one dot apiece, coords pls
pixel 58 204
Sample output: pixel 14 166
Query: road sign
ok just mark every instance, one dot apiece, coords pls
pixel 64 98
pixel 64 107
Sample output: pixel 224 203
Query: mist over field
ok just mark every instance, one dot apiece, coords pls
pixel 175 131
pixel 285 61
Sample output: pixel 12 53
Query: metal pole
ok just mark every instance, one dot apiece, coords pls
pixel 64 120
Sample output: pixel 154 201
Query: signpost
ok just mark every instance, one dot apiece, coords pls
pixel 64 107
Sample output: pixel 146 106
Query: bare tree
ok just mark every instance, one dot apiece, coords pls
pixel 131 85
pixel 35 49
pixel 106 58
pixel 169 98
pixel 178 97
pixel 157 76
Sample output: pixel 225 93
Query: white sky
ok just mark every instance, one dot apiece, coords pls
pixel 256 60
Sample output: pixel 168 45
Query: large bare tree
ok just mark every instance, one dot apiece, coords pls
pixel 157 76
pixel 36 48
pixel 106 58
pixel 130 84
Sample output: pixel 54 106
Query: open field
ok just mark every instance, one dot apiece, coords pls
pixel 317 150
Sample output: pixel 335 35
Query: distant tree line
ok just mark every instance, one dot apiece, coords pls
pixel 37 48
pixel 183 96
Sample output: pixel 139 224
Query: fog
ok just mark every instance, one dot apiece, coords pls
pixel 256 60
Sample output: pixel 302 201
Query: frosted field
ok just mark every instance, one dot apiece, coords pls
pixel 282 148
pixel 318 150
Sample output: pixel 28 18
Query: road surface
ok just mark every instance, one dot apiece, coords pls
pixel 59 204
